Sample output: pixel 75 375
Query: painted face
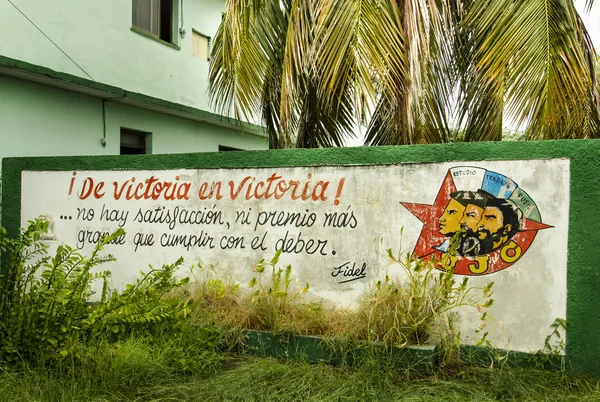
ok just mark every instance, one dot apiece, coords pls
pixel 471 217
pixel 450 219
pixel 492 221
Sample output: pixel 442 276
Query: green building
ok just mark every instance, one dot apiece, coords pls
pixel 111 77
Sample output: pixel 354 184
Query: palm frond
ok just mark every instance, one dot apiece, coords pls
pixel 535 46
pixel 418 113
pixel 589 4
pixel 238 62
pixel 296 63
pixel 305 66
pixel 480 103
pixel 359 46
pixel 318 127
pixel 272 25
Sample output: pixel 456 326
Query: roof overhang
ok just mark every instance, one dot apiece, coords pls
pixel 45 76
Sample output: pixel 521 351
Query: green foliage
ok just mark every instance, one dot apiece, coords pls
pixel 45 308
pixel 301 382
pixel 142 305
pixel 272 299
pixel 307 67
pixel 552 355
pixel 399 310
pixel 140 359
pixel 598 72
pixel 214 299
pixel 43 299
pixel 99 363
pixel 513 135
pixel 404 309
pixel 457 135
pixel 557 347
pixel 271 302
pixel 135 370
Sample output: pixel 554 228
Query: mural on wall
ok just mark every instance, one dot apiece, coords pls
pixel 334 225
pixel 481 222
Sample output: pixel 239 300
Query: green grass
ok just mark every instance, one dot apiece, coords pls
pixel 190 367
pixel 115 371
pixel 147 350
pixel 267 380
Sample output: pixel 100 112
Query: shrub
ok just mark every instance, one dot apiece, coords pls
pixel 45 308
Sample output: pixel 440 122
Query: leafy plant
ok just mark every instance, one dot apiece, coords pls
pixel 43 299
pixel 45 303
pixel 552 355
pixel 558 346
pixel 142 305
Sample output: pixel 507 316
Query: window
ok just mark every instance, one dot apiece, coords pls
pixel 200 45
pixel 135 142
pixel 154 17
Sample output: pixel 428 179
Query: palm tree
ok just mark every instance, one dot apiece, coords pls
pixel 428 66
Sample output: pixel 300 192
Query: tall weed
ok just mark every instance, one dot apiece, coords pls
pixel 273 301
pixel 215 300
pixel 407 307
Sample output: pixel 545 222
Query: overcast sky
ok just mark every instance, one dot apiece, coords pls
pixel 591 20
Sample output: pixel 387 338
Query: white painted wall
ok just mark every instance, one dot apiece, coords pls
pixel 528 295
pixel 97 36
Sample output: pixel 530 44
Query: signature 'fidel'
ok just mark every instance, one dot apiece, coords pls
pixel 350 271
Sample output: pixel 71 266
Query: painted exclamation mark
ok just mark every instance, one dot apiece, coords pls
pixel 339 191
pixel 72 182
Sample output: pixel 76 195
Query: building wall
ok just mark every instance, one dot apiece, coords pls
pixel 97 36
pixel 39 120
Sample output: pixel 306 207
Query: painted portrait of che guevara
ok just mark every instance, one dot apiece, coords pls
pixel 480 222
pixel 477 223
pixel 500 221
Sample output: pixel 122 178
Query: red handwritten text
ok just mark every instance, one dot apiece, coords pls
pixel 151 188
pixel 273 187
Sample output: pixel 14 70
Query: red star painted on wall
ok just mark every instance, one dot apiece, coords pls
pixel 430 236
pixel 429 214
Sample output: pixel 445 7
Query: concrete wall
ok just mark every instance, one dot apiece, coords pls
pixel 38 120
pixel 97 36
pixel 385 188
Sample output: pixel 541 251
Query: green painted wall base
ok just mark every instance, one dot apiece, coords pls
pixel 422 359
